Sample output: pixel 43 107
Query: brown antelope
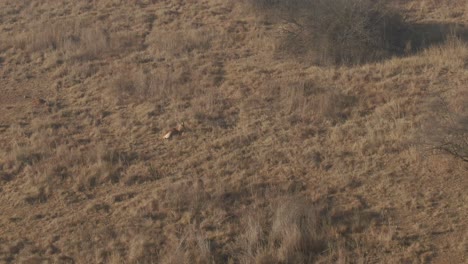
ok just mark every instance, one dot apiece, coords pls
pixel 174 131
pixel 39 102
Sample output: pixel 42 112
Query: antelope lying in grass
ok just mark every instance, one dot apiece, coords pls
pixel 37 102
pixel 174 131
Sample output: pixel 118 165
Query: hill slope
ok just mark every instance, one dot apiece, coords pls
pixel 281 161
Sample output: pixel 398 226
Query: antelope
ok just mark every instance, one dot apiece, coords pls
pixel 39 102
pixel 174 131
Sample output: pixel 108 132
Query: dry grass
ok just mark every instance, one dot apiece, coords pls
pixel 446 10
pixel 280 161
pixel 296 233
pixel 180 44
pixel 74 41
pixel 446 131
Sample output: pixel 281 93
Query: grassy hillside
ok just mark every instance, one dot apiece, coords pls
pixel 284 159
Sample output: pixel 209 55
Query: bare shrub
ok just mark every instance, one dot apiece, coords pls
pixel 446 132
pixel 337 31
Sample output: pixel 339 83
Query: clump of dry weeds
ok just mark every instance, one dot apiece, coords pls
pixel 295 232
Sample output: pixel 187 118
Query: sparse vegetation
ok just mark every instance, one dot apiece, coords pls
pixel 278 161
pixel 295 234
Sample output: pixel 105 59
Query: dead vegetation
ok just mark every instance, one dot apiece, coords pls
pixel 295 233
pixel 279 161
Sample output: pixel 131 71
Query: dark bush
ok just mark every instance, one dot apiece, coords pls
pixel 337 31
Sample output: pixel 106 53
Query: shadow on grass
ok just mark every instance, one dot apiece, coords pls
pixel 405 40
pixel 424 35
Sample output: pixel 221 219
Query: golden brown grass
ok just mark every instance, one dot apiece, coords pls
pixel 280 162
